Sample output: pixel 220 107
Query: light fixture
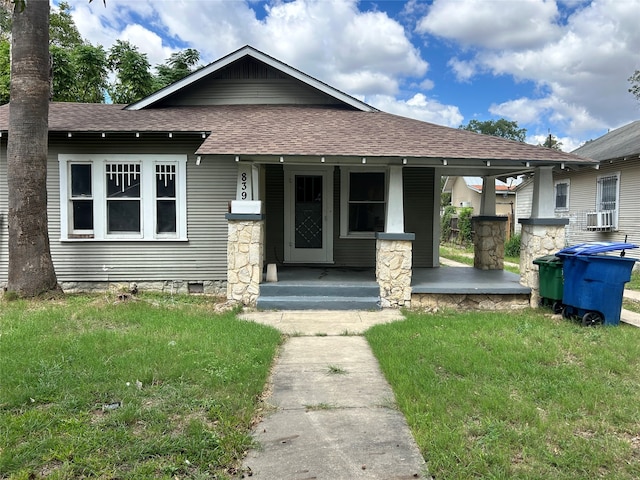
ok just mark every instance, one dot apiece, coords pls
pixel 103 135
pixel 237 158
pixel 137 134
pixel 170 134
pixel 404 161
pixel 198 158
pixel 445 162
pixel 322 160
pixel 488 163
pixel 562 166
pixel 204 134
pixel 364 160
pixel 528 164
pixel 69 134
pixel 281 159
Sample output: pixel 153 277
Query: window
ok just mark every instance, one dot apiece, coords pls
pixel 562 195
pixel 605 217
pixel 123 197
pixel 363 202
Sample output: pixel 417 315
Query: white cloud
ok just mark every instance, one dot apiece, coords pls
pixel 463 69
pixel 492 23
pixel 420 108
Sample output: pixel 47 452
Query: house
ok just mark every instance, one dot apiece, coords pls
pixel 600 201
pixel 249 162
pixel 467 192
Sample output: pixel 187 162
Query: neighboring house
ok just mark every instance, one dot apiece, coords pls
pixel 524 196
pixel 143 192
pixel 467 192
pixel 602 202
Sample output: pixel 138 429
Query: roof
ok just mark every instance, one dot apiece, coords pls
pixel 476 184
pixel 619 143
pixel 288 130
pixel 248 51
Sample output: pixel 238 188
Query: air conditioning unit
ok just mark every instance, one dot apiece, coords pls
pixel 602 221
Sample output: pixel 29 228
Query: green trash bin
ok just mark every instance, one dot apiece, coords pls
pixel 551 281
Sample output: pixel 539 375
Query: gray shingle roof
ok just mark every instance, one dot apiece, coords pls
pixel 298 130
pixel 619 143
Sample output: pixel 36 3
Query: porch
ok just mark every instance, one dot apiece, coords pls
pixel 341 288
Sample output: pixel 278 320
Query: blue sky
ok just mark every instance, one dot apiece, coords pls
pixel 558 66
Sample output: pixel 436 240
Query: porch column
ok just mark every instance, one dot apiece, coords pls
pixel 394 222
pixel 542 234
pixel 393 268
pixel 244 257
pixel 488 197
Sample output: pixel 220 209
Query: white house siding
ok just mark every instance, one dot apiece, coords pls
pixel 524 198
pixel 210 186
pixel 582 198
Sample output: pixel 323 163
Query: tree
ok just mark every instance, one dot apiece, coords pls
pixel 31 270
pixel 133 77
pixel 498 128
pixel 551 142
pixel 635 84
pixel 177 66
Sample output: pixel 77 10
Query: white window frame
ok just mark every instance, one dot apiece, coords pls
pixel 567 182
pixel 148 197
pixel 599 196
pixel 345 178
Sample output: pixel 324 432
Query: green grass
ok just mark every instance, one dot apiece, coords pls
pixel 634 284
pixel 516 395
pixel 465 255
pixel 156 387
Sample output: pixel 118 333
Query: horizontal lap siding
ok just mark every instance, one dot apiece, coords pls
pixel 210 186
pixel 582 198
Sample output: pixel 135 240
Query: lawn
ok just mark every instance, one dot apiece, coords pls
pixel 152 387
pixel 465 255
pixel 516 394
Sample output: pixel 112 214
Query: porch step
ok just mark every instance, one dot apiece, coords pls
pixel 274 296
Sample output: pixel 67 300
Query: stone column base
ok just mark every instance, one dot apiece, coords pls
pixel 393 268
pixel 488 242
pixel 540 237
pixel 244 257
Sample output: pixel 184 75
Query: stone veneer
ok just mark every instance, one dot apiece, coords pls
pixel 488 242
pixel 433 302
pixel 393 268
pixel 540 237
pixel 244 257
pixel 207 287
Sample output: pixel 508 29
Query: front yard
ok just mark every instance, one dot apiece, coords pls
pixel 154 387
pixel 517 394
pixel 165 387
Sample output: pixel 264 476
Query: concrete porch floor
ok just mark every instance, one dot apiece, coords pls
pixel 440 280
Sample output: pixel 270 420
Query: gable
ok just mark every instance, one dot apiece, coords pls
pixel 248 81
pixel 248 76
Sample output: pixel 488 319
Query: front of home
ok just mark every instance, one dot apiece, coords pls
pixel 166 192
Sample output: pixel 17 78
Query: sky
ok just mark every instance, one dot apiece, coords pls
pixel 553 66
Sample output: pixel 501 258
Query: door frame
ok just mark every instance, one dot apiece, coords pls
pixel 304 255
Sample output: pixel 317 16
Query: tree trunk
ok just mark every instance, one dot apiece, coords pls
pixel 31 270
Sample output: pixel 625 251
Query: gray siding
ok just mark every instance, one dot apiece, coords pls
pixel 204 257
pixel 249 82
pixel 582 198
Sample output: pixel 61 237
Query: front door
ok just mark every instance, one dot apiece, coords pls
pixel 308 219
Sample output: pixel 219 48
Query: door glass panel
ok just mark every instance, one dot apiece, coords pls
pixel 308 211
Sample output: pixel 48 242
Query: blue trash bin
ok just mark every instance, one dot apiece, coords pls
pixel 594 282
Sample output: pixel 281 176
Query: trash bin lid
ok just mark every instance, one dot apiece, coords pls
pixel 547 259
pixel 592 248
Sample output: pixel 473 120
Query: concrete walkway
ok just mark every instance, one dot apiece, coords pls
pixel 333 413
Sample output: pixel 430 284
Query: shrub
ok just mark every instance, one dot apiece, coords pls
pixel 512 246
pixel 464 225
pixel 445 223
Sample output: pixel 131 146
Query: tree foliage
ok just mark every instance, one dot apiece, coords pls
pixel 552 142
pixel 498 128
pixel 81 71
pixel 635 84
